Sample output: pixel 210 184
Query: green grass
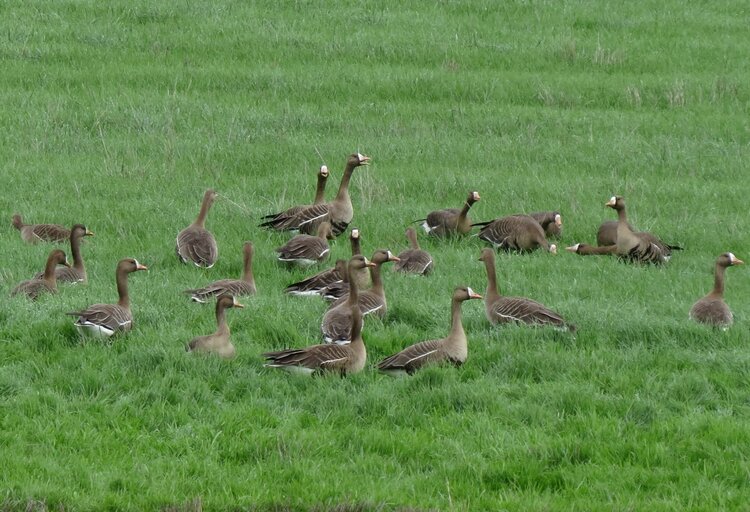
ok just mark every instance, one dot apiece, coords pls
pixel 120 114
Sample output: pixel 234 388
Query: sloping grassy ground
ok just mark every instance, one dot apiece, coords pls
pixel 120 114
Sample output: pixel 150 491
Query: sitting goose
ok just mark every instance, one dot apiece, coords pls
pixel 306 250
pixel 104 320
pixel 450 221
pixel 218 342
pixel 373 300
pixel 551 223
pixel 451 349
pixel 502 309
pixel 33 288
pixel 414 260
pixel 280 221
pixel 33 233
pixel 590 250
pixel 76 273
pixel 338 289
pixel 641 247
pixel 337 322
pixel 234 287
pixel 344 359
pixel 195 243
pixel 515 233
pixel 712 309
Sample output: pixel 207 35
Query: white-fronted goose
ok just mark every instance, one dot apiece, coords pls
pixel 195 243
pixel 337 321
pixel 373 300
pixel 77 272
pixel 500 309
pixel 551 223
pixel 33 288
pixel 33 233
pixel 590 250
pixel 218 342
pixel 640 247
pixel 306 250
pixel 362 275
pixel 414 260
pixel 344 359
pixel 452 349
pixel 281 221
pixel 450 221
pixel 712 309
pixel 104 320
pixel 234 287
pixel 337 289
pixel 515 233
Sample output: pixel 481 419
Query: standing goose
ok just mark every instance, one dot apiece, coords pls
pixel 414 260
pixel 33 233
pixel 195 243
pixel 590 250
pixel 337 322
pixel 551 223
pixel 515 233
pixel 452 349
pixel 306 250
pixel 33 288
pixel 712 309
pixel 104 320
pixel 450 221
pixel 234 287
pixel 76 273
pixel 345 359
pixel 642 247
pixel 502 309
pixel 281 221
pixel 218 342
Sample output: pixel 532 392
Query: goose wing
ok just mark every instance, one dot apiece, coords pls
pixel 110 316
pixel 523 310
pixel 198 246
pixel 414 357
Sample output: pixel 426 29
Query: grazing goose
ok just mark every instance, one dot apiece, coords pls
pixel 502 309
pixel 306 250
pixel 451 349
pixel 450 221
pixel 551 223
pixel 234 287
pixel 33 233
pixel 515 233
pixel 104 320
pixel 218 342
pixel 337 321
pixel 195 243
pixel 76 273
pixel 414 260
pixel 590 250
pixel 33 288
pixel 344 359
pixel 712 309
pixel 373 300
pixel 280 221
pixel 641 247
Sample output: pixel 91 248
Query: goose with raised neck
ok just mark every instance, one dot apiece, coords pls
pixel 640 247
pixel 414 260
pixel 217 343
pixel 305 250
pixel 337 321
pixel 77 272
pixel 450 221
pixel 33 288
pixel 372 300
pixel 234 287
pixel 34 233
pixel 195 243
pixel 283 220
pixel 712 309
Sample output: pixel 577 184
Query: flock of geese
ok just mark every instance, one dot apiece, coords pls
pixel 355 286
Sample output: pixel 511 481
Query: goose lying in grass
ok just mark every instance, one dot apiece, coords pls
pixel 414 260
pixel 450 221
pixel 217 343
pixel 34 233
pixel 234 287
pixel 77 272
pixel 712 309
pixel 281 221
pixel 33 288
pixel 195 243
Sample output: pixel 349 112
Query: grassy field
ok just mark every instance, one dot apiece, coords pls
pixel 120 114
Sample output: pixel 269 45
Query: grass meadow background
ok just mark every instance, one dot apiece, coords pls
pixel 120 114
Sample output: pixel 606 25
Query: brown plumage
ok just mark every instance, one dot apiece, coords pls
pixel 712 309
pixel 33 288
pixel 337 321
pixel 590 250
pixel 361 275
pixel 281 221
pixel 551 223
pixel 640 247
pixel 217 343
pixel 195 243
pixel 344 359
pixel 414 260
pixel 234 287
pixel 501 309
pixel 77 272
pixel 33 233
pixel 373 299
pixel 515 233
pixel 451 349
pixel 450 221
pixel 304 250
pixel 337 289
pixel 104 320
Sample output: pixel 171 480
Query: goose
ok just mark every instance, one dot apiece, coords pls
pixel 33 288
pixel 33 233
pixel 712 309
pixel 280 221
pixel 590 250
pixel 414 260
pixel 501 309
pixel 450 221
pixel 551 223
pixel 607 233
pixel 640 247
pixel 337 321
pixel 234 287
pixel 305 250
pixel 515 233
pixel 337 289
pixel 451 349
pixel 77 272
pixel 195 243
pixel 218 342
pixel 361 275
pixel 104 320
pixel 373 299
pixel 344 359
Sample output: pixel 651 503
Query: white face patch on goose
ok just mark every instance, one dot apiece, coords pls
pixel 360 157
pixel 558 219
pixel 136 263
pixel 613 199
pixel 324 170
pixel 471 292
pixel 475 196
pixel 355 233
pixel 390 255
